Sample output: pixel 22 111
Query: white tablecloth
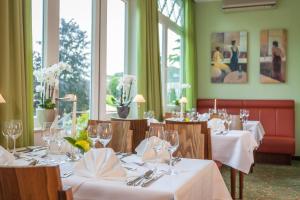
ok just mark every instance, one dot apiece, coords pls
pixel 234 149
pixel 257 129
pixel 197 179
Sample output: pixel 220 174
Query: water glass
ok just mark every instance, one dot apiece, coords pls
pixel 15 131
pixel 105 133
pixel 93 133
pixel 172 144
pixel 7 127
pixel 228 121
pixel 155 137
pixel 59 135
pixel 47 134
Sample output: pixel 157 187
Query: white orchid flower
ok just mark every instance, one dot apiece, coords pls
pixel 185 86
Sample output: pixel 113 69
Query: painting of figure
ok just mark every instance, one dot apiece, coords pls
pixel 273 45
pixel 229 57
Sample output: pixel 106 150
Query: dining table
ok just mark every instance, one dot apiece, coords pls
pixel 194 179
pixel 235 148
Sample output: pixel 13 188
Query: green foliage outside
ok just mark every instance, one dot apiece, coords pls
pixel 74 50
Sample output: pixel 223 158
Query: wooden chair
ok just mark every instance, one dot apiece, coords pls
pixel 138 127
pixel 122 136
pixel 32 183
pixel 236 123
pixel 168 115
pixel 191 141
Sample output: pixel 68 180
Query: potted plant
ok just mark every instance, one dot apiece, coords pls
pixel 181 91
pixel 48 82
pixel 123 102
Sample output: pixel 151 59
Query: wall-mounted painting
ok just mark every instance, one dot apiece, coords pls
pixel 229 57
pixel 273 45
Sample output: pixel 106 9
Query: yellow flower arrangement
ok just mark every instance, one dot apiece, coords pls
pixel 81 141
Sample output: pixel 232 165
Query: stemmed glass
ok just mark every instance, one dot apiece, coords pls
pixel 47 134
pixel 7 127
pixel 228 120
pixel 16 131
pixel 105 134
pixel 59 138
pixel 247 115
pixel 172 143
pixel 93 132
pixel 155 137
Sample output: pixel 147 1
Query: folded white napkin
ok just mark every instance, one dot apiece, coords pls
pixel 151 120
pixel 6 158
pixel 100 163
pixel 203 117
pixel 216 125
pixel 146 151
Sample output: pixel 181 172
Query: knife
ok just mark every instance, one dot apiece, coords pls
pixel 150 181
pixel 147 173
pixel 146 177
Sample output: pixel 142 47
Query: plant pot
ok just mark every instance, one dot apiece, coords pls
pixel 123 111
pixel 44 115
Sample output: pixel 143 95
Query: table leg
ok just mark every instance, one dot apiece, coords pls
pixel 241 184
pixel 233 182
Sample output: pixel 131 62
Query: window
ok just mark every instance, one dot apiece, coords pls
pixel 171 49
pixel 115 57
pixel 75 33
pixel 88 35
pixel 172 9
pixel 37 44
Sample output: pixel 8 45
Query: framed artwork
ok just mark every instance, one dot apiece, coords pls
pixel 273 46
pixel 229 57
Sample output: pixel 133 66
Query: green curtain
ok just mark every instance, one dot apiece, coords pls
pixel 148 59
pixel 16 75
pixel 190 52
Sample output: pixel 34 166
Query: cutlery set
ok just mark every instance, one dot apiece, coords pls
pixel 144 180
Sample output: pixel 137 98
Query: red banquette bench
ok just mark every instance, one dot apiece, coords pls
pixel 276 116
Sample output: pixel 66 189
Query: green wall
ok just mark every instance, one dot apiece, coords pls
pixel 210 18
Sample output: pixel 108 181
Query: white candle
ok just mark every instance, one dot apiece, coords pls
pixel 181 109
pixel 74 118
pixel 215 106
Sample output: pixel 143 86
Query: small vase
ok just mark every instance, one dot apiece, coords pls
pixel 123 111
pixel 44 115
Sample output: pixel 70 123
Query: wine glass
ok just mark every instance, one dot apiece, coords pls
pixel 247 115
pixel 105 133
pixel 47 134
pixel 59 138
pixel 93 132
pixel 16 131
pixel 155 137
pixel 7 127
pixel 146 115
pixel 228 119
pixel 172 143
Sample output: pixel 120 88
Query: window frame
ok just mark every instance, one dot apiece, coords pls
pixel 168 24
pixel 50 49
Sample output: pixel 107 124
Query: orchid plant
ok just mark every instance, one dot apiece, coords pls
pixel 124 87
pixel 183 87
pixel 48 81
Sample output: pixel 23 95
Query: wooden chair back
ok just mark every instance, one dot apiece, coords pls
pixel 32 183
pixel 138 127
pixel 122 136
pixel 236 123
pixel 191 141
pixel 207 141
pixel 207 136
pixel 168 115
